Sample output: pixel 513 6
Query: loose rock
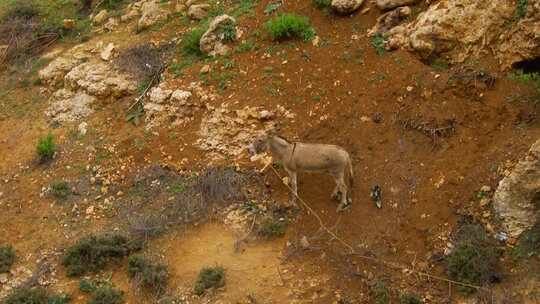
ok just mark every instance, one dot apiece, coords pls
pixel 346 6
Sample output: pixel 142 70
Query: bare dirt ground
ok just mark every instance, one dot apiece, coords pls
pixel 431 138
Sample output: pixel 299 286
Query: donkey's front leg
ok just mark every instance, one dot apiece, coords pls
pixel 294 186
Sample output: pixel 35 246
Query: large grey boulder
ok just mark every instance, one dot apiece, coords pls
pixel 517 197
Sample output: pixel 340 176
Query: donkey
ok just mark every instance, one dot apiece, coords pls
pixel 299 156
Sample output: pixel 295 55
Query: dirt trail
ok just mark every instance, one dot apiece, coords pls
pixel 254 267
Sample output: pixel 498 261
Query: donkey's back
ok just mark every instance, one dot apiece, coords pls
pixel 318 157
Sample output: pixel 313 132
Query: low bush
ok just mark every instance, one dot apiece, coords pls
pixel 210 277
pixel 532 79
pixel 46 148
pixel 380 293
pixel 60 190
pixel 529 243
pixel 228 30
pixel 7 258
pixel 148 274
pixel 218 184
pixel 409 298
pixel 521 9
pixel 87 286
pixel 271 227
pixel 190 42
pixel 322 4
pixel 106 295
pixel 378 42
pixel 36 295
pixel 91 253
pixel 286 26
pixel 474 258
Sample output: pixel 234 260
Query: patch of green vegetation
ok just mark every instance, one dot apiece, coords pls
pixel 521 9
pixel 223 79
pixel 36 295
pixel 378 78
pixel 271 90
pixel 147 273
pixel 46 148
pixel 244 7
pixel 286 26
pixel 177 67
pixel 142 86
pixel 228 31
pixel 228 63
pixel 322 4
pixel 178 188
pixel 87 286
pixel 272 7
pixel 474 258
pixel 440 64
pixel 209 277
pixel 378 42
pixel 110 4
pixel 7 257
pixel 268 72
pixel 91 253
pixel 380 293
pixel 60 190
pixel 410 298
pixel 271 227
pixel 532 79
pixel 190 42
pixel 246 46
pixel 529 243
pixel 106 295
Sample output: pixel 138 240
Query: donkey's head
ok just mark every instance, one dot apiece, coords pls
pixel 260 145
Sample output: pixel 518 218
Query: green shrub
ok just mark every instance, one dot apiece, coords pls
pixel 532 79
pixel 87 286
pixel 474 258
pixel 37 295
pixel 7 258
pixel 228 30
pixel 46 148
pixel 378 42
pixel 107 295
pixel 521 8
pixel 111 4
pixel 211 277
pixel 380 293
pixel 91 253
pixel 409 298
pixel 190 42
pixel 271 227
pixel 529 243
pixel 322 4
pixel 148 274
pixel 285 26
pixel 60 190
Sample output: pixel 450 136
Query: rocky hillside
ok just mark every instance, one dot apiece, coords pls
pixel 125 176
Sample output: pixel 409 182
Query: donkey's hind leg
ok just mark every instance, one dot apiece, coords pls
pixel 336 194
pixel 344 202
